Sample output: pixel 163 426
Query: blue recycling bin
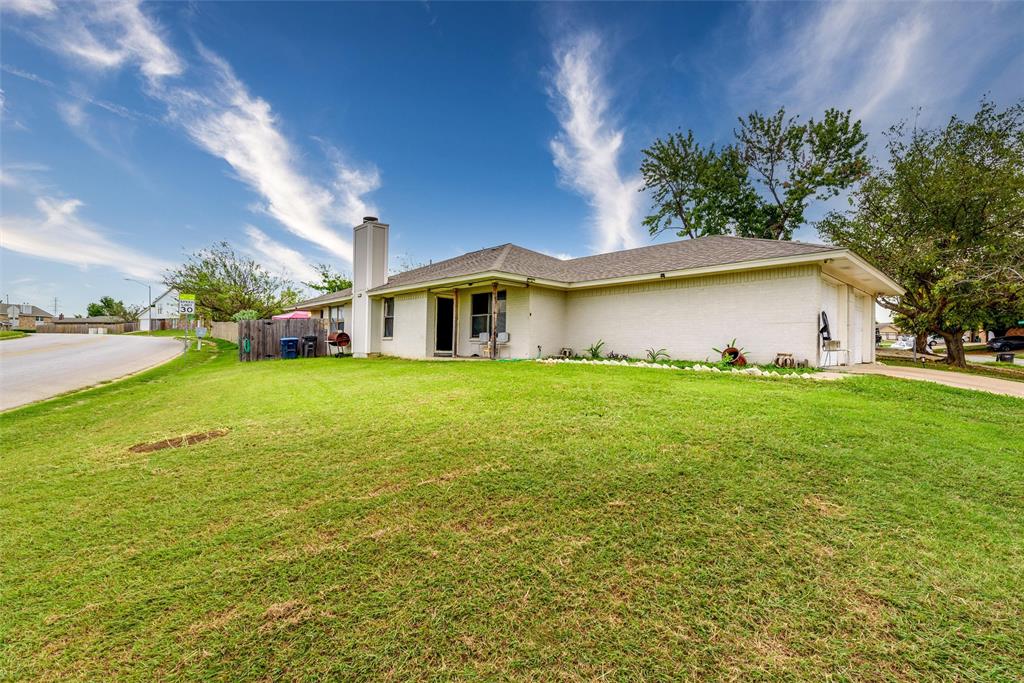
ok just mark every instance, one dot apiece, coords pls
pixel 289 347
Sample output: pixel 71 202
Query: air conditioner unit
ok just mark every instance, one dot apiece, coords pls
pixel 484 337
pixel 503 337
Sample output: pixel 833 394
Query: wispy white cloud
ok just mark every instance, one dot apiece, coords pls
pixel 59 234
pixel 219 114
pixel 78 94
pixel 35 8
pixel 278 258
pixel 105 35
pixel 587 150
pixel 27 75
pixel 229 122
pixel 882 60
pixel 22 176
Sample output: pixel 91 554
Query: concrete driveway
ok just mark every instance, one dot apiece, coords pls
pixel 43 365
pixel 961 380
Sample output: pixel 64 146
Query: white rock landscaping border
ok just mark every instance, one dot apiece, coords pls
pixel 756 372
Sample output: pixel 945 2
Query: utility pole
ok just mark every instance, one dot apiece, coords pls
pixel 54 307
pixel 149 311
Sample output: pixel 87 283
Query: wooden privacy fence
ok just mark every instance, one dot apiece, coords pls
pixel 228 331
pixel 83 328
pixel 261 339
pixel 168 324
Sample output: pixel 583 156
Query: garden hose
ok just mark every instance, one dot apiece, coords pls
pixel 246 346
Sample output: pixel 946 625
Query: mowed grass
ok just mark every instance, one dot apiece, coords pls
pixel 12 334
pixel 392 520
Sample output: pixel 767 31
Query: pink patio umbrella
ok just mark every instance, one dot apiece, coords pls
pixel 294 315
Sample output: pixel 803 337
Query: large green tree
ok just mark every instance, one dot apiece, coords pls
pixel 328 280
pixel 225 283
pixel 759 186
pixel 946 220
pixel 701 191
pixel 107 305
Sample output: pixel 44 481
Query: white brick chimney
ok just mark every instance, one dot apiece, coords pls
pixel 369 270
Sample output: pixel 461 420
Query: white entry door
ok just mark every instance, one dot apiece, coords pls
pixel 857 330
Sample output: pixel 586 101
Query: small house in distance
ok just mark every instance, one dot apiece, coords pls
pixel 888 331
pixel 23 316
pixel 163 314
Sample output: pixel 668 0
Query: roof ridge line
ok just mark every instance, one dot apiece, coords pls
pixel 500 261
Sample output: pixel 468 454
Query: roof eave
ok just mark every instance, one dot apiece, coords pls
pixel 482 277
pixel 895 289
pixel 310 305
pixel 889 286
pixel 756 264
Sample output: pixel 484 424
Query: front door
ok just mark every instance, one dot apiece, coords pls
pixel 445 327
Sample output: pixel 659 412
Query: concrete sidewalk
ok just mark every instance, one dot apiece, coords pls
pixel 960 380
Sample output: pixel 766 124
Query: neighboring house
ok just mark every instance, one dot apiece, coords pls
pixel 685 296
pixel 888 331
pixel 23 316
pixel 163 313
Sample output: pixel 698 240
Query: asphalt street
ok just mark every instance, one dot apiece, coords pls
pixel 39 366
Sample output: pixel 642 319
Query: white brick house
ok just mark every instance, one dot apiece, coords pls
pixel 685 296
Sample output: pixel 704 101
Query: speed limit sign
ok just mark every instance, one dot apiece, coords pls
pixel 187 304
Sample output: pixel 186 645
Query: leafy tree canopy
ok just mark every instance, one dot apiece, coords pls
pixel 225 283
pixel 328 280
pixel 109 306
pixel 946 220
pixel 246 314
pixel 759 186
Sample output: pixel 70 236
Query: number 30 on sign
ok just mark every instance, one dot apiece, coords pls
pixel 187 304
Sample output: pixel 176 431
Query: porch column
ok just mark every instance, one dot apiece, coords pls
pixel 455 323
pixel 494 320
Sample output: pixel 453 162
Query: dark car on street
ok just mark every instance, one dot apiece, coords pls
pixel 1008 343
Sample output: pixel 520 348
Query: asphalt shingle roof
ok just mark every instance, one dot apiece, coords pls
pixel 36 311
pixel 657 258
pixel 323 299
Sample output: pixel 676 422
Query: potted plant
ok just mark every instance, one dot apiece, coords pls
pixel 732 354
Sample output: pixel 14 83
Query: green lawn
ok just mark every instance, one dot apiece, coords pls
pixel 12 334
pixel 389 520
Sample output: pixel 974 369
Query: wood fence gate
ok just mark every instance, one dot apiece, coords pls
pixel 261 339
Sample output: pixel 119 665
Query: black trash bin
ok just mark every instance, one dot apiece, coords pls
pixel 309 346
pixel 289 347
pixel 1004 357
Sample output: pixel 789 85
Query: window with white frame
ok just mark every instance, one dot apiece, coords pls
pixel 389 317
pixel 338 318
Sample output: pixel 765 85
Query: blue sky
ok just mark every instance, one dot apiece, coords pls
pixel 133 134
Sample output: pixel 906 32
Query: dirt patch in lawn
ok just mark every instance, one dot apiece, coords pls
pixel 824 507
pixel 188 440
pixel 284 614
